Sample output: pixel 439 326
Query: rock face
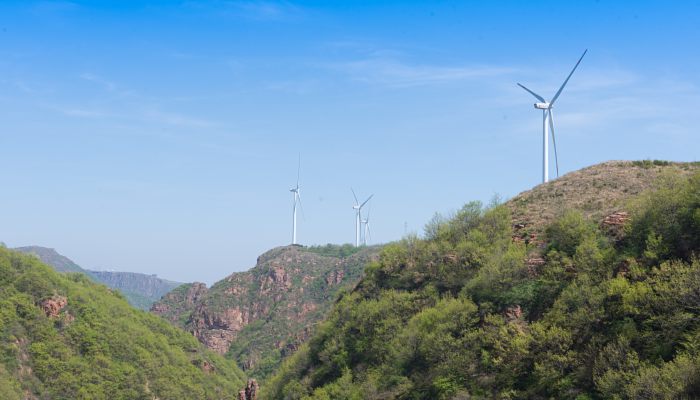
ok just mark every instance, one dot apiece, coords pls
pixel 250 392
pixel 53 306
pixel 264 314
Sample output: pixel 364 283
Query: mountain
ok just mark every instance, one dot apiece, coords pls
pixel 141 290
pixel 51 257
pixel 65 337
pixel 586 287
pixel 259 316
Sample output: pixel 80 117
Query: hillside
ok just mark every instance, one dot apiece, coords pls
pixel 51 257
pixel 596 191
pixel 140 290
pixel 65 337
pixel 259 316
pixel 585 305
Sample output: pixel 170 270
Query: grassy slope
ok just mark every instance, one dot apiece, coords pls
pixel 595 191
pixel 98 347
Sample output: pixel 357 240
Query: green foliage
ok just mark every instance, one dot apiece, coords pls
pixel 97 347
pixel 460 314
pixel 334 250
pixel 667 222
pixel 650 163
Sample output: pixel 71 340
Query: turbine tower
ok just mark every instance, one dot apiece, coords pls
pixel 358 216
pixel 548 123
pixel 297 200
pixel 367 231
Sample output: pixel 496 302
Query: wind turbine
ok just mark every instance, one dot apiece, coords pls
pixel 358 217
pixel 548 122
pixel 297 200
pixel 367 230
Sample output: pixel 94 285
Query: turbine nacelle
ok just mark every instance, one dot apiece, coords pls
pixel 542 106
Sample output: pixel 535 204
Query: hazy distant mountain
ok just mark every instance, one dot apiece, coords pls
pixel 141 290
pixel 51 257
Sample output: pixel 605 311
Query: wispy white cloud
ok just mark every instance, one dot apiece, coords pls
pixel 81 112
pixel 176 119
pixel 390 72
pixel 55 6
pixel 256 10
pixel 111 86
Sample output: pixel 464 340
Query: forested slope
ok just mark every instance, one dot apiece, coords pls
pixel 64 337
pixel 584 310
pixel 262 315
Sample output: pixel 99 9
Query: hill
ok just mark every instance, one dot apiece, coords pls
pixel 51 257
pixel 259 316
pixel 140 290
pixel 578 289
pixel 596 191
pixel 64 337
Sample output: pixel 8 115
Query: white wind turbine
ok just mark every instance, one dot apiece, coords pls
pixel 367 231
pixel 358 217
pixel 548 122
pixel 297 200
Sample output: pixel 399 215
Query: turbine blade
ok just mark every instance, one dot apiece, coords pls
pixel 537 96
pixel 369 231
pixel 554 140
pixel 298 170
pixel 368 199
pixel 355 196
pixel 556 96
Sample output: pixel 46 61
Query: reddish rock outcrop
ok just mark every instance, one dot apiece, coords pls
pixel 53 306
pixel 288 290
pixel 250 392
pixel 513 313
pixel 335 277
pixel 614 224
pixel 182 298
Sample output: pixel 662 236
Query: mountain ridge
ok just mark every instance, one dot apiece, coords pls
pixel 259 316
pixel 584 287
pixel 141 290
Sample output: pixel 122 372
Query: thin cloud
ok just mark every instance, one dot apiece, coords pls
pixel 397 74
pixel 251 10
pixel 176 119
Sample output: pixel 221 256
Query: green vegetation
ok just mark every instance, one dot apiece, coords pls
pixel 260 316
pixel 471 313
pixel 93 345
pixel 334 250
pixel 140 290
pixel 650 163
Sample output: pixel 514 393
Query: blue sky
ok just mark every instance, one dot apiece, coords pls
pixel 162 137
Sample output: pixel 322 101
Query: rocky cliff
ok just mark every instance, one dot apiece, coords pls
pixel 259 316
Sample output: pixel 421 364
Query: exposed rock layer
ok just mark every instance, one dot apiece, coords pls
pixel 263 314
